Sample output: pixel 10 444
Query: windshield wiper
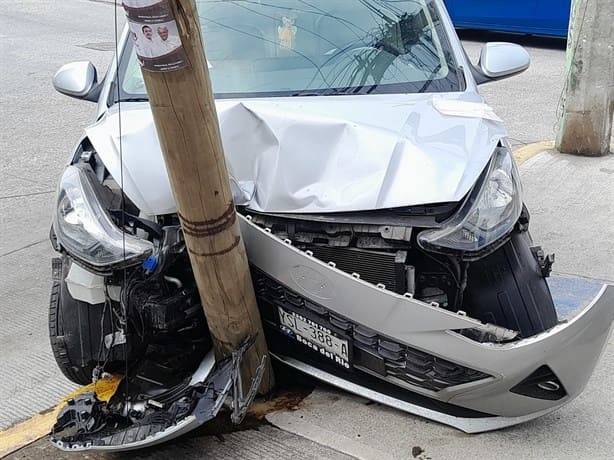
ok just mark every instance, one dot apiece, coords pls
pixel 324 92
pixel 134 99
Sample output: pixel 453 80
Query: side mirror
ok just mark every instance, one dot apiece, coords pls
pixel 501 60
pixel 76 79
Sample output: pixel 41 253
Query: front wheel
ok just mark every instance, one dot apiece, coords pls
pixel 73 339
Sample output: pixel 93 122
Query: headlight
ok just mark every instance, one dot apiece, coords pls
pixel 86 231
pixel 489 213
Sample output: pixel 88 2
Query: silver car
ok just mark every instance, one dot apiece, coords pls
pixel 383 218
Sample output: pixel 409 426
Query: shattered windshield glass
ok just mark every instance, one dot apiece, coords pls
pixel 319 47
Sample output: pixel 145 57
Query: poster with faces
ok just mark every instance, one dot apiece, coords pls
pixel 154 34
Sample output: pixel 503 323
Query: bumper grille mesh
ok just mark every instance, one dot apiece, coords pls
pixel 371 352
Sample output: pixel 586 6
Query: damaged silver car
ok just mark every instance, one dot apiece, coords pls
pixel 382 213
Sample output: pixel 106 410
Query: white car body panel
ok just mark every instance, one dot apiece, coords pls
pixel 317 154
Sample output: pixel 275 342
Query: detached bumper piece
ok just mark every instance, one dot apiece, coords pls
pixel 86 423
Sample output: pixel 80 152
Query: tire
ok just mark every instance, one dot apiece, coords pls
pixel 76 368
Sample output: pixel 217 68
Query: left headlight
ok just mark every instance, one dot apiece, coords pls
pixel 488 214
pixel 86 231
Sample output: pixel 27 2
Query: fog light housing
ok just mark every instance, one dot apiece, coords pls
pixel 541 384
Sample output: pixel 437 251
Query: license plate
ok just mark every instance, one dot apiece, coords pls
pixel 316 337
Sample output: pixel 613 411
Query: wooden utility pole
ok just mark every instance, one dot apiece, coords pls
pixel 185 116
pixel 586 124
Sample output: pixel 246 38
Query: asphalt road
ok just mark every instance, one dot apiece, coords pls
pixel 39 128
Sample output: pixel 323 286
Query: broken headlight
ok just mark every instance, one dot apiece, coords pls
pixel 488 214
pixel 86 231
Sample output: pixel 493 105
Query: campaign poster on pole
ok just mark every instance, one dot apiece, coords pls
pixel 154 33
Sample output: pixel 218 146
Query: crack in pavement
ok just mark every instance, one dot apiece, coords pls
pixel 575 275
pixel 16 176
pixel 26 194
pixel 22 248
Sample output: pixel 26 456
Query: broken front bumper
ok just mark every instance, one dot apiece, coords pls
pixel 88 423
pixel 73 432
pixel 418 357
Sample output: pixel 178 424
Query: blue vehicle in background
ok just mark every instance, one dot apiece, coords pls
pixel 538 17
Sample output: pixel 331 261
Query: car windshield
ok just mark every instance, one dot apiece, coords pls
pixel 263 48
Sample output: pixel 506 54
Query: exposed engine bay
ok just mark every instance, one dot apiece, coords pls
pixel 388 256
pixel 144 324
pixel 153 334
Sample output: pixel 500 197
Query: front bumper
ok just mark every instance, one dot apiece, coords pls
pixel 455 380
pixel 74 435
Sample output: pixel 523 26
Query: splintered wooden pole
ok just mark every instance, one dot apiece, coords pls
pixel 186 120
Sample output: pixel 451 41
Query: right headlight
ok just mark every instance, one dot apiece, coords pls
pixel 488 214
pixel 86 231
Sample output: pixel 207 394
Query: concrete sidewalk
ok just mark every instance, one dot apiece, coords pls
pixel 572 204
pixel 571 201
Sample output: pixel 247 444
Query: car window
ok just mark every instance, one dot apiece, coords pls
pixel 260 48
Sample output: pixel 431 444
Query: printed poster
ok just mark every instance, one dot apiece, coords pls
pixel 154 33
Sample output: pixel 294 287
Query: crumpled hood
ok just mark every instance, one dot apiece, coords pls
pixel 318 154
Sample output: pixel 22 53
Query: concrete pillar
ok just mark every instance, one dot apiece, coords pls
pixel 585 127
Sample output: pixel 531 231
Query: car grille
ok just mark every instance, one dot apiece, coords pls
pixel 372 352
pixel 387 268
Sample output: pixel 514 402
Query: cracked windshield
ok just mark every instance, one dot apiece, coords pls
pixel 318 48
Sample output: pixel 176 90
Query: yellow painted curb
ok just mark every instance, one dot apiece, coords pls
pixel 27 432
pixel 527 152
pixel 41 424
